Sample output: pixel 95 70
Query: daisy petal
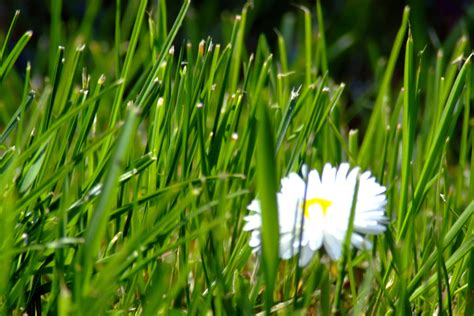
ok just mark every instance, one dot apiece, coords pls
pixel 360 242
pixel 332 246
pixel 254 206
pixel 254 240
pixel 286 251
pixel 305 256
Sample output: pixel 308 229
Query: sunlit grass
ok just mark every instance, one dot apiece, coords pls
pixel 125 172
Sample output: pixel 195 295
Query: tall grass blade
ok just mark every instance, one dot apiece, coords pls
pixel 267 190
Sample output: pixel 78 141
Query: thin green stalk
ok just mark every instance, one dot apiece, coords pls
pixel 127 63
pixel 408 137
pixel 321 38
pixel 55 33
pixel 346 249
pixel 377 119
pixel 8 36
pixel 307 45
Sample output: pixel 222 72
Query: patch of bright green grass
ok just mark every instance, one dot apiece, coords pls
pixel 126 172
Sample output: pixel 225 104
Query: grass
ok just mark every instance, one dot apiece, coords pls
pixel 126 172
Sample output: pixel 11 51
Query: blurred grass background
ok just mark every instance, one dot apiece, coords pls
pixel 358 31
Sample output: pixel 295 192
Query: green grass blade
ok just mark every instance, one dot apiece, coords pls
pixel 267 189
pixel 321 38
pixel 376 119
pixel 97 226
pixel 7 65
pixel 124 75
pixel 346 248
pixel 55 32
pixel 408 137
pixel 9 35
pixel 237 48
pixel 307 45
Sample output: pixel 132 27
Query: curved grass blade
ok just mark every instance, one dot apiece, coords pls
pixel 7 65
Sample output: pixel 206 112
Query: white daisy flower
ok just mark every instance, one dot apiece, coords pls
pixel 322 207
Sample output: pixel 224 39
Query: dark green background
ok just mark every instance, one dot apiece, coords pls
pixel 367 28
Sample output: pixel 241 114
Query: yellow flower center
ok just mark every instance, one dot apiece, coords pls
pixel 323 203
